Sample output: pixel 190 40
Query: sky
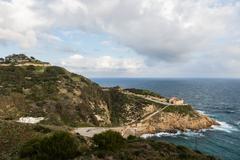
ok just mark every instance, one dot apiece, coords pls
pixel 126 38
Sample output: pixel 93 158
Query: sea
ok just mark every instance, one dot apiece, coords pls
pixel 217 98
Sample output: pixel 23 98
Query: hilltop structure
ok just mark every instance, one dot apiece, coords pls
pixel 176 101
pixel 21 60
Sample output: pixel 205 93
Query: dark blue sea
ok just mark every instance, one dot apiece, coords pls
pixel 218 98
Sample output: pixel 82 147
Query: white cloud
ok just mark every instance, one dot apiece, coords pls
pixel 165 32
pixel 164 29
pixel 20 23
pixel 168 30
pixel 106 43
pixel 103 64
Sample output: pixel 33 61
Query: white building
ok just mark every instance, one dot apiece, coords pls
pixel 176 101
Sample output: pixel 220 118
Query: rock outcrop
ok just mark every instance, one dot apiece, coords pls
pixel 169 122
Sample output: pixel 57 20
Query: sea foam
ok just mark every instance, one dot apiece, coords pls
pixel 223 126
pixel 238 123
pixel 178 133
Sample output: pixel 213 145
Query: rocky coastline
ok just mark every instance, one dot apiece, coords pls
pixel 170 123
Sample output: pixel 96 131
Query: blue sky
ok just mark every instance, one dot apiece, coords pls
pixel 122 38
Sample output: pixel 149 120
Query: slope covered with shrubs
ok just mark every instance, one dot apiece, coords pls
pixel 107 145
pixel 58 146
pixel 64 98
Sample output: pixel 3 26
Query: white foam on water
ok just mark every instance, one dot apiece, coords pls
pixel 204 113
pixel 201 112
pixel 225 127
pixel 194 133
pixel 31 120
pixel 178 133
pixel 238 123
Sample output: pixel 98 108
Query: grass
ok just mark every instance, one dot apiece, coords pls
pixel 181 109
pixel 143 92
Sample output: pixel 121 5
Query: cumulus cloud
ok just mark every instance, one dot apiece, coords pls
pixel 20 23
pixel 163 31
pixel 168 30
pixel 103 64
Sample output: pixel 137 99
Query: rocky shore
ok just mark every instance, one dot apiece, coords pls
pixel 169 122
pixel 162 122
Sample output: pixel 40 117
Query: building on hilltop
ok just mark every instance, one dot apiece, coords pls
pixel 176 101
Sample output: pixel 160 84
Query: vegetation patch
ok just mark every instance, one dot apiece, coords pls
pixel 21 141
pixel 143 92
pixel 109 140
pixel 181 109
pixel 58 146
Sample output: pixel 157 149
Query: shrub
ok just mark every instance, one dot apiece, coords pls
pixel 41 129
pixel 143 92
pixel 132 138
pixel 109 140
pixel 58 146
pixel 181 109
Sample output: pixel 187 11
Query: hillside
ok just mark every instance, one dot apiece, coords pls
pixel 57 99
pixel 18 141
pixel 65 98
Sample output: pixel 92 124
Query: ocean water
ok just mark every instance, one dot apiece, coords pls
pixel 218 98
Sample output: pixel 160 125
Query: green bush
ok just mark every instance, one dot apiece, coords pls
pixel 109 141
pixel 143 92
pixel 58 146
pixel 41 129
pixel 181 109
pixel 132 138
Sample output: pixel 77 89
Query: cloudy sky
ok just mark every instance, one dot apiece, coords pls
pixel 126 38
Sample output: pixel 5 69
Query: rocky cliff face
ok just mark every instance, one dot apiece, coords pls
pixel 169 122
pixel 65 98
